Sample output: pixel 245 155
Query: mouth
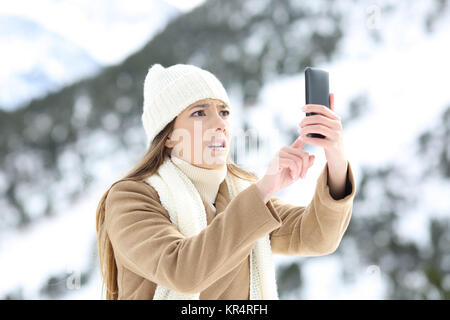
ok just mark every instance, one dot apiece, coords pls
pixel 218 144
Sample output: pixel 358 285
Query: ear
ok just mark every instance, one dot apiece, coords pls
pixel 169 143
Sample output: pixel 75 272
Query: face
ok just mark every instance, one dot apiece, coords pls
pixel 200 125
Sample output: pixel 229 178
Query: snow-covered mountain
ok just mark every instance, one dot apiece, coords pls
pixel 36 61
pixel 46 45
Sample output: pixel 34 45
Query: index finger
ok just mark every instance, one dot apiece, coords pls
pixel 320 109
pixel 298 143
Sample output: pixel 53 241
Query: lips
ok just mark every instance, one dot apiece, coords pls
pixel 219 142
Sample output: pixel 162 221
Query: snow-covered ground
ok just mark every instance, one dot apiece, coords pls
pixel 62 244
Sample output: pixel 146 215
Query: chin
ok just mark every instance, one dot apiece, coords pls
pixel 216 163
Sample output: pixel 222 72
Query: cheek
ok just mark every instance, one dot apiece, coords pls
pixel 196 136
pixel 189 132
pixel 183 133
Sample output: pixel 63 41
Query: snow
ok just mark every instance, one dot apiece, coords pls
pixel 407 88
pixel 185 5
pixel 47 247
pixel 404 79
pixel 48 44
pixel 123 26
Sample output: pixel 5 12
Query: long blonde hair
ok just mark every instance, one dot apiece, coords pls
pixel 154 157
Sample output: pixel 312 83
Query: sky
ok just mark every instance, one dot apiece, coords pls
pixel 108 29
pixel 47 44
pixel 185 5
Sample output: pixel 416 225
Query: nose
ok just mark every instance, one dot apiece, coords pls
pixel 220 123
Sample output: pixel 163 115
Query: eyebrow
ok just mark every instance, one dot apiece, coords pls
pixel 205 105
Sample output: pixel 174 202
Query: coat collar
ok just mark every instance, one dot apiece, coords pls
pixel 222 200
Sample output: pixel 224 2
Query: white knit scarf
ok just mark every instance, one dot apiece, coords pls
pixel 181 199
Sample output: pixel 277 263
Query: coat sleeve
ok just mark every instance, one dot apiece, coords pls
pixel 145 241
pixel 318 228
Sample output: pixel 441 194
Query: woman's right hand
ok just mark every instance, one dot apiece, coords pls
pixel 289 164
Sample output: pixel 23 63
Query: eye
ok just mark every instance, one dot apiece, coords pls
pixel 193 114
pixel 197 111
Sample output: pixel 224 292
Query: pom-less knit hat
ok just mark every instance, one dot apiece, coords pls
pixel 168 91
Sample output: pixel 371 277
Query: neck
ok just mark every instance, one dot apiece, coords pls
pixel 206 181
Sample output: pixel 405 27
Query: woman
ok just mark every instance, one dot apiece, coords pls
pixel 188 223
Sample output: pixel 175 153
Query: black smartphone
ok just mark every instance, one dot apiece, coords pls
pixel 317 91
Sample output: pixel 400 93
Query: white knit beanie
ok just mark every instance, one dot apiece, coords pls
pixel 168 91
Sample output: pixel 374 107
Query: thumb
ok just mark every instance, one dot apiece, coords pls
pixel 298 143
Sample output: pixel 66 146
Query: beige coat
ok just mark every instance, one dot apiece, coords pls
pixel 149 249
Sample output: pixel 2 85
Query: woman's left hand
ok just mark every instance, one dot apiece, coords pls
pixel 327 123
